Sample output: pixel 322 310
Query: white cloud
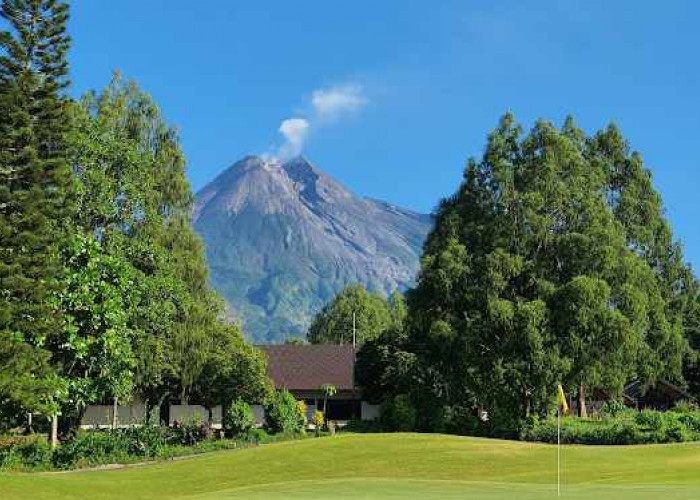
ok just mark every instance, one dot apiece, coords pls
pixel 332 103
pixel 327 105
pixel 295 132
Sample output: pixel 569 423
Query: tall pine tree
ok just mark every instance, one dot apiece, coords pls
pixel 35 177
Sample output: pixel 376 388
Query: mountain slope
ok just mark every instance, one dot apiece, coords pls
pixel 283 238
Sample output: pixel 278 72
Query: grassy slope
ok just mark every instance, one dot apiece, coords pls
pixel 388 466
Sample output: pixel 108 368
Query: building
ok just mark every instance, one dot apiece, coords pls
pixel 303 369
pixel 661 396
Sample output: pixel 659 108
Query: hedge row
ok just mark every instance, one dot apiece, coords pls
pixel 102 447
pixel 645 427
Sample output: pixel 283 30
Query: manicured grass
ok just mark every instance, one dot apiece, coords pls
pixel 389 466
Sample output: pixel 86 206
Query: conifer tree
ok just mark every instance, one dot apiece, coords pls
pixel 542 270
pixel 35 178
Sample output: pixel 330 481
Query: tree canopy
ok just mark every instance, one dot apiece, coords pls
pixel 104 290
pixel 368 313
pixel 552 263
pixel 35 193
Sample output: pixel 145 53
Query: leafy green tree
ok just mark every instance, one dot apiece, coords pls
pixel 92 351
pixel 529 279
pixel 385 367
pixel 369 314
pixel 639 209
pixel 135 196
pixel 233 370
pixel 35 178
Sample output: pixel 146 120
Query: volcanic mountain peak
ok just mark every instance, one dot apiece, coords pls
pixel 283 238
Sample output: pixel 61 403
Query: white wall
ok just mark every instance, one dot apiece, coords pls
pixel 101 415
pixel 197 413
pixel 370 412
pixel 259 415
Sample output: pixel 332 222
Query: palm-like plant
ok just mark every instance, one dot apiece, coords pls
pixel 329 390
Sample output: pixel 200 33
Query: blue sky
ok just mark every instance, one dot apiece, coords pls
pixel 391 97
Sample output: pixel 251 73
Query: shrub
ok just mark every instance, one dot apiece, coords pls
pixel 463 421
pixel 648 426
pixel 398 414
pixel 238 418
pixel 318 422
pixel 282 413
pixel 651 419
pixel 146 441
pixel 691 420
pixel 301 415
pixel 189 433
pixel 257 436
pixel 685 406
pixel 613 409
pixel 90 448
pixel 33 453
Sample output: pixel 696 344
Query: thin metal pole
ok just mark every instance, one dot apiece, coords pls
pixel 558 450
pixel 353 330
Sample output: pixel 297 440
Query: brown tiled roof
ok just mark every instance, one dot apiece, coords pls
pixel 306 367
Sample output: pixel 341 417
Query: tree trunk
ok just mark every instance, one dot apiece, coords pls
pixel 211 417
pixel 54 432
pixel 161 400
pixel 582 411
pixel 114 414
pixel 183 397
pixel 147 409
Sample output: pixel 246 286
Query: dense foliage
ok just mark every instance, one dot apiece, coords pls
pixel 238 418
pixel 628 427
pixel 123 446
pixel 398 414
pixel 104 292
pixel 369 314
pixel 283 415
pixel 35 194
pixel 553 263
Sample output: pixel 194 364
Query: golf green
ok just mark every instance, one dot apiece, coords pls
pixel 389 466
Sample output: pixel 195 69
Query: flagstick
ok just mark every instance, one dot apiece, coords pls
pixel 558 450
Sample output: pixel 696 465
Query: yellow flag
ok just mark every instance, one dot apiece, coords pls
pixel 561 400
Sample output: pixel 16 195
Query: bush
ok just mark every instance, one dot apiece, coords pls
pixel 238 418
pixel 189 433
pixel 398 414
pixel 90 448
pixel 651 419
pixel 691 420
pixel 613 409
pixel 318 422
pixel 648 426
pixel 685 406
pixel 282 414
pixel 33 453
pixel 301 415
pixel 463 421
pixel 96 447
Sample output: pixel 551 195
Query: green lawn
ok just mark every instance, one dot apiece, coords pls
pixel 389 466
